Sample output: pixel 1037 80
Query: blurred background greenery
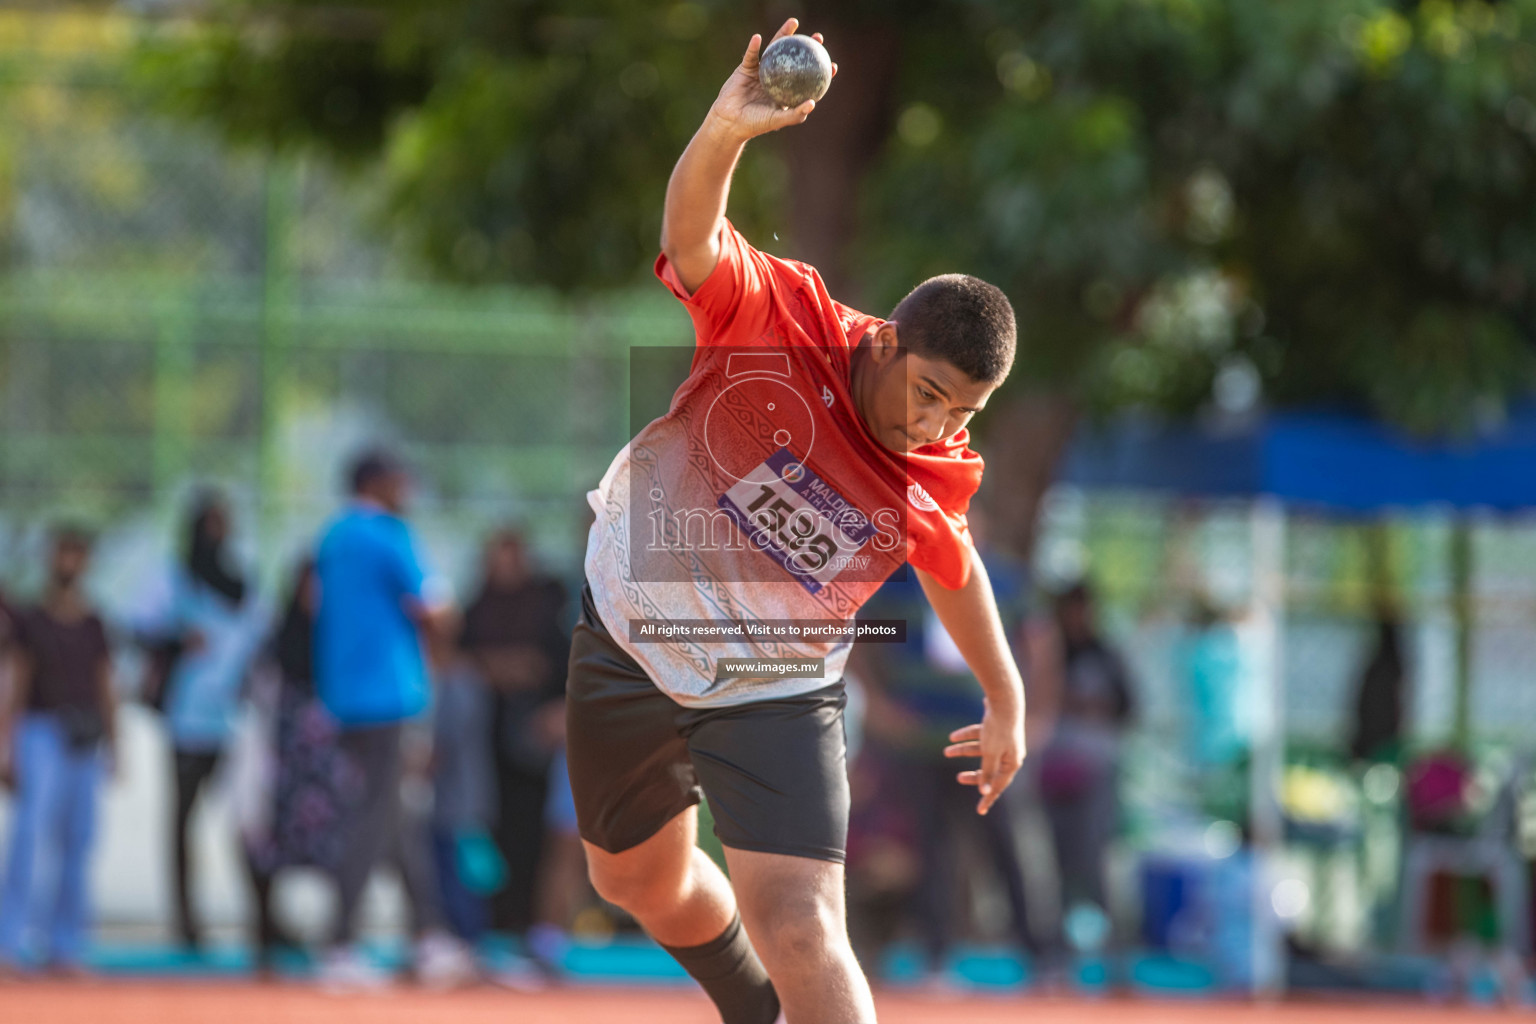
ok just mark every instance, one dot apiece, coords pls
pixel 1195 204
pixel 239 238
pixel 1192 202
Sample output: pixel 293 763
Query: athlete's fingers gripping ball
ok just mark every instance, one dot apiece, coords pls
pixel 781 116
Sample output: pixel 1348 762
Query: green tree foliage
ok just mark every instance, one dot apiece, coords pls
pixel 1336 198
pixel 1308 199
pixel 519 141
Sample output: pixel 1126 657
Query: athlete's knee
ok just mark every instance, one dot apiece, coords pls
pixel 615 883
pixel 796 924
pixel 630 882
pixel 652 875
pixel 807 937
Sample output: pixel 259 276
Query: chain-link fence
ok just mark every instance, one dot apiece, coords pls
pixel 173 313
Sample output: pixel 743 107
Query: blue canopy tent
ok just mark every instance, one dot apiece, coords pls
pixel 1326 461
pixel 1330 463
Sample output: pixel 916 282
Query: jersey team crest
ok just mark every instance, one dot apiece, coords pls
pixel 920 498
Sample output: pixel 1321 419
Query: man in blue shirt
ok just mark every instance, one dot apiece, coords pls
pixel 378 608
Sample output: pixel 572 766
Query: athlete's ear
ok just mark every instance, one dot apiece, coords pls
pixel 886 344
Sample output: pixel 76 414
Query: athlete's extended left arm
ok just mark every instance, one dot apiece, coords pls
pixel 970 615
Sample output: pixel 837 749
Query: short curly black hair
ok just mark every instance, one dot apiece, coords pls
pixel 962 320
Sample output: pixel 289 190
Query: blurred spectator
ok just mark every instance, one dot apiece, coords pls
pixel 1211 661
pixel 7 621
pixel 7 629
pixel 1378 727
pixel 378 609
pixel 1215 701
pixel 566 899
pixel 883 858
pixel 311 782
pixel 1079 767
pixel 1455 841
pixel 564 892
pixel 515 636
pixel 53 734
pixel 204 637
pixel 468 865
pixel 918 693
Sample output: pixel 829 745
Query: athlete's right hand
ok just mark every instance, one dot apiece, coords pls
pixel 743 110
pixel 998 739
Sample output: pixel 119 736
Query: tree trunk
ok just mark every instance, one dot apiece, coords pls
pixel 1024 445
pixel 827 159
pixel 828 156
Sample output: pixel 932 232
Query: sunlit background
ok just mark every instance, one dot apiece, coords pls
pixel 241 240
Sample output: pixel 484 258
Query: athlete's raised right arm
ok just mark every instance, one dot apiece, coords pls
pixel 701 181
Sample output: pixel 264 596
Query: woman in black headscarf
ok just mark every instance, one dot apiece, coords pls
pixel 207 561
pixel 1378 725
pixel 212 625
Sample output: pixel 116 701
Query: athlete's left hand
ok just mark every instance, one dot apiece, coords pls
pixel 998 739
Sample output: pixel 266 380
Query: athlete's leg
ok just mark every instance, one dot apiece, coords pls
pixel 667 883
pixel 636 797
pixel 776 775
pixel 794 909
pixel 678 894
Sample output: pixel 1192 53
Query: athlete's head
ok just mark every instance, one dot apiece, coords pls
pixel 932 366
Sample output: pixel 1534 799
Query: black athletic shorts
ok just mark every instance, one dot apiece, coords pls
pixel 775 771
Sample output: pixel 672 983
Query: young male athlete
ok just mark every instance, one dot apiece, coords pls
pixel 810 453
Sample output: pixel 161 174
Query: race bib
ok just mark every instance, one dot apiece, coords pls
pixel 796 518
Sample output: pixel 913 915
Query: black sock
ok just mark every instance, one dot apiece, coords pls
pixel 732 975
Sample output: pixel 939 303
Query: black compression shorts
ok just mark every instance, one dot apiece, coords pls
pixel 775 771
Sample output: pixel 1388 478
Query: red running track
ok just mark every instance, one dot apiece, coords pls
pixel 127 1002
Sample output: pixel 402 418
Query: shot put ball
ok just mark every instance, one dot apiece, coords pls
pixel 794 69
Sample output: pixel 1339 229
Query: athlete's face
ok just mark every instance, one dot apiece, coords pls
pixel 911 400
